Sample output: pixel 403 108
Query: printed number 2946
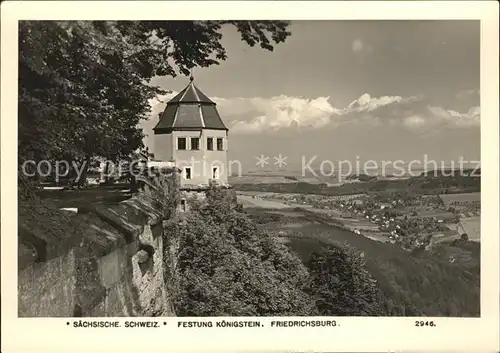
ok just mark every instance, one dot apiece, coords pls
pixel 425 323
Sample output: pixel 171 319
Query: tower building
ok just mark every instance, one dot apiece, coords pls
pixel 192 135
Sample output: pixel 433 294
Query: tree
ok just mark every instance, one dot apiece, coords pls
pixel 341 285
pixel 226 267
pixel 84 85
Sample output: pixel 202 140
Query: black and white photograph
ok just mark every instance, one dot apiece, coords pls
pixel 246 169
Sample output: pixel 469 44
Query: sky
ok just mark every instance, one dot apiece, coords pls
pixel 347 90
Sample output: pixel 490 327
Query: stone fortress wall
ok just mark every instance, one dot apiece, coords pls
pixel 105 261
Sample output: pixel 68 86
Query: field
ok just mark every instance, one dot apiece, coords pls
pixel 295 182
pixel 281 177
pixel 296 224
pixel 260 179
pixel 440 282
pixel 258 202
pixel 472 227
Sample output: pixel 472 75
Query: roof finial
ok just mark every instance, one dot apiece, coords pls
pixel 191 78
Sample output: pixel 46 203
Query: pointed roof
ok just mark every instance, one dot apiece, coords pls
pixel 191 94
pixel 190 109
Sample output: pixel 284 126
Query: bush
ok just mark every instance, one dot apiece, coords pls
pixel 227 268
pixel 340 284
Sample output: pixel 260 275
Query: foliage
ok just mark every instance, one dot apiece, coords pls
pixel 227 268
pixel 265 217
pixel 441 281
pixel 364 177
pixel 84 85
pixel 340 284
pixel 163 188
pixel 26 188
pixel 429 285
pixel 419 284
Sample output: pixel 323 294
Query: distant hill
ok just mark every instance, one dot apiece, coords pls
pixel 417 185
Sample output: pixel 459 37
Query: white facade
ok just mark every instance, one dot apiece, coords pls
pixel 191 151
pixel 192 135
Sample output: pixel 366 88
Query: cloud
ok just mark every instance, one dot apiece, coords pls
pixel 366 103
pixel 158 103
pixel 284 113
pixel 467 93
pixel 255 114
pixel 471 118
pixel 414 121
pixel 264 115
pixel 357 46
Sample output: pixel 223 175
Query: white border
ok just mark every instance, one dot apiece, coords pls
pixel 353 334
